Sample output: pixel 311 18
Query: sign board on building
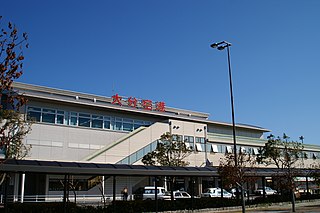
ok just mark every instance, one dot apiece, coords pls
pixel 139 103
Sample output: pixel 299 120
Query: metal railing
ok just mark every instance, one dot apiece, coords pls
pixel 80 199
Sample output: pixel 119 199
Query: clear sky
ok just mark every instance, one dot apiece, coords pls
pixel 159 50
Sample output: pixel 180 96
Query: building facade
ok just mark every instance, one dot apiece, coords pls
pixel 79 127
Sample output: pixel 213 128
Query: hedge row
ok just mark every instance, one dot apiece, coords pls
pixel 143 206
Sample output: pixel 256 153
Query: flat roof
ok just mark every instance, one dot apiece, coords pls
pixel 46 93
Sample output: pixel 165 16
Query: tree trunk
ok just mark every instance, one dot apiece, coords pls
pixel 243 200
pixel 293 201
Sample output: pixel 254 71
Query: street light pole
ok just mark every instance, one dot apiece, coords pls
pixel 221 46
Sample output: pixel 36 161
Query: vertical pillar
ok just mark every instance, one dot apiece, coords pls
pixel 16 187
pixel 199 185
pixel 307 186
pixel 156 192
pixel 192 192
pixel 102 185
pixel 6 183
pixel 23 178
pixel 264 187
pixel 65 194
pixel 47 186
pixel 205 147
pixel 114 194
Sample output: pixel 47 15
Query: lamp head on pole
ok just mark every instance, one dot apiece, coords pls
pixel 220 45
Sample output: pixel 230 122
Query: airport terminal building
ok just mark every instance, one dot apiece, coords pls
pixel 77 127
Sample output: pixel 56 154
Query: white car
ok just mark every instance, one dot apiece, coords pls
pixel 216 192
pixel 149 193
pixel 233 191
pixel 268 191
pixel 177 195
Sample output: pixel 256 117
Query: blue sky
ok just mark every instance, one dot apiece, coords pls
pixel 159 50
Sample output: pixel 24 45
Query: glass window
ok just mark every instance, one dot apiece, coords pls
pixel 127 126
pixel 199 140
pixel 189 139
pixel 133 158
pixel 34 113
pixel 147 149
pixel 88 120
pixel 97 121
pixel 84 115
pixel 138 122
pixel 125 161
pixel 35 116
pixel 107 124
pixel 118 126
pixel 84 122
pixel 177 138
pixel 60 117
pixel 127 120
pixel 140 154
pixel 48 116
pixel 136 126
pixel 73 119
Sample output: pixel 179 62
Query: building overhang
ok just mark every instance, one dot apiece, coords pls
pixel 83 168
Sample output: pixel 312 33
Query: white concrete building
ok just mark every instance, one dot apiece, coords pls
pixel 78 127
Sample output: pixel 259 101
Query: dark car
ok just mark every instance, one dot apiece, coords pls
pixel 138 193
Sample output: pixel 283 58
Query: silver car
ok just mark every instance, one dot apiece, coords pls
pixel 268 191
pixel 216 192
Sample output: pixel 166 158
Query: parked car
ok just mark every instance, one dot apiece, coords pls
pixel 138 193
pixel 233 191
pixel 149 193
pixel 268 191
pixel 216 192
pixel 177 195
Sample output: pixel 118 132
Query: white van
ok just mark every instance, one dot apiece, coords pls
pixel 149 193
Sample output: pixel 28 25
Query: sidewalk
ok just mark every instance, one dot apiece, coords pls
pixel 301 207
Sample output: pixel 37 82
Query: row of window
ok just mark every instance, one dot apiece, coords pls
pixel 198 144
pixel 54 116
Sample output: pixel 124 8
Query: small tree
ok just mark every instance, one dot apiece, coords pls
pixel 285 155
pixel 314 172
pixel 13 125
pixel 11 62
pixel 168 152
pixel 236 176
pixel 14 128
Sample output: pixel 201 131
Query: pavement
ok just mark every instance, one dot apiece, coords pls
pixel 301 207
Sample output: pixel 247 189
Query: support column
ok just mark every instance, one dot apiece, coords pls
pixel 307 186
pixel 264 187
pixel 16 187
pixel 23 178
pixel 65 194
pixel 114 194
pixel 192 192
pixel 156 192
pixel 6 183
pixel 102 186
